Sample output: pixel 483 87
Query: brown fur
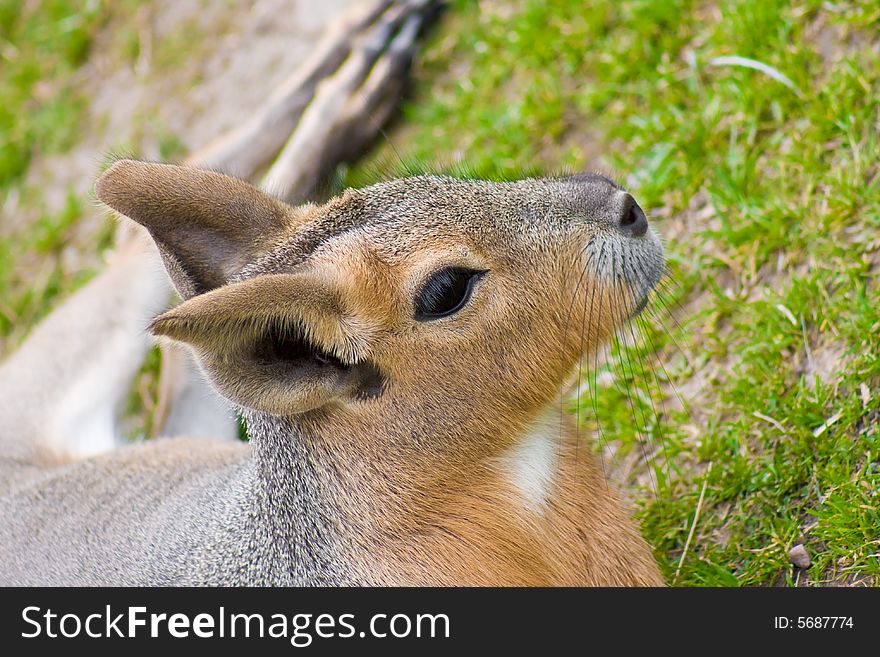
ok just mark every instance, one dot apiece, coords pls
pixel 402 449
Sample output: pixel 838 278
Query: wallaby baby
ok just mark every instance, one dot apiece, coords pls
pixel 397 355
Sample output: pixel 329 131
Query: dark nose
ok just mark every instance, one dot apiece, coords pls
pixel 632 222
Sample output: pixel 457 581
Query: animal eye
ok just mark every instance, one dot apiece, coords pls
pixel 446 292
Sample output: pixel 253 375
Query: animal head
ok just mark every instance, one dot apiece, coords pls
pixel 458 303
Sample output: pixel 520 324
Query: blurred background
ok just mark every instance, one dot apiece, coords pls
pixel 740 415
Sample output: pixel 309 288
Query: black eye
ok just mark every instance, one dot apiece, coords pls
pixel 446 292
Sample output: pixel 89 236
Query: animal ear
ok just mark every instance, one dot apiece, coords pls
pixel 281 343
pixel 207 225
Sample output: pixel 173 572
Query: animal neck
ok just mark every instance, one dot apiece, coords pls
pixel 351 478
pixel 332 508
pixel 297 499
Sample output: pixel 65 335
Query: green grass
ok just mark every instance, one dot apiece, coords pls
pixel 43 112
pixel 749 381
pixel 771 196
pixel 41 46
pixel 32 272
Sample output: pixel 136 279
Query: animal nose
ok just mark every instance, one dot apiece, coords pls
pixel 632 221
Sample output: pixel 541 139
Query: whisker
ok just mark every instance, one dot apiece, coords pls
pixel 587 328
pixel 394 150
pixel 645 377
pixel 665 285
pixel 579 283
pixel 564 333
pixel 646 331
pixel 677 326
pixel 591 384
pixel 624 356
pixel 669 334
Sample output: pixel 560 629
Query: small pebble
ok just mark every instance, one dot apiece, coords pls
pixel 799 556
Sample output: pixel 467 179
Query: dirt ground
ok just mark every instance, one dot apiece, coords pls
pixel 201 67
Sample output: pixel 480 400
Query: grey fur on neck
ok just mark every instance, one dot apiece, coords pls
pixel 293 495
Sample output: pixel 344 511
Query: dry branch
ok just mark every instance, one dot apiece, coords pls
pixel 326 112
